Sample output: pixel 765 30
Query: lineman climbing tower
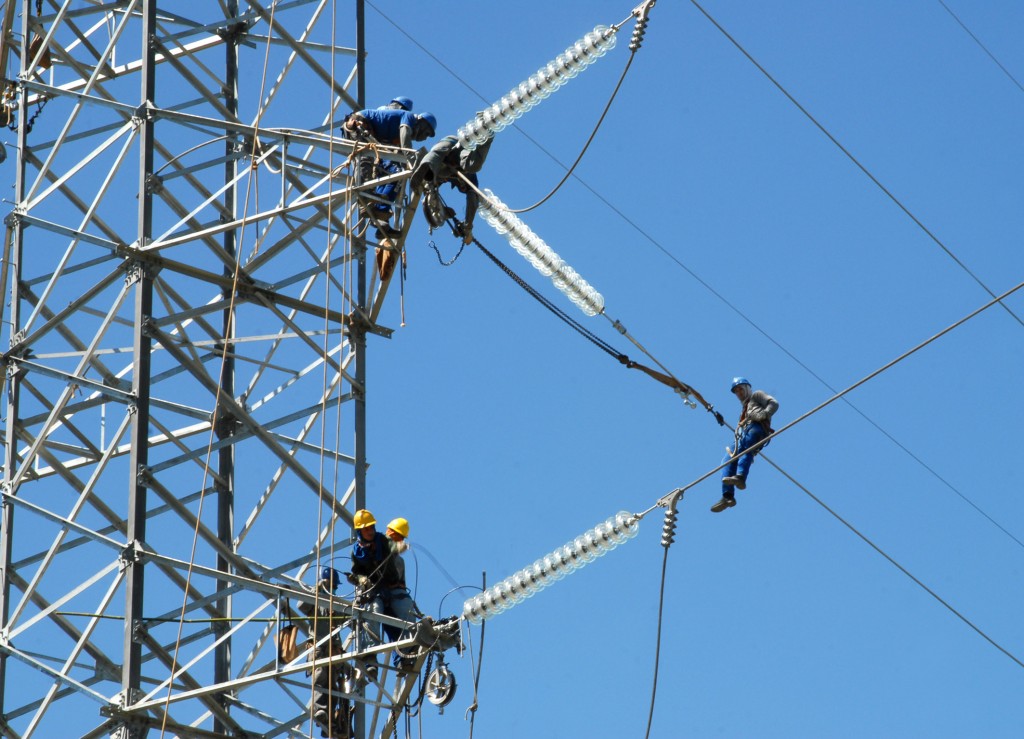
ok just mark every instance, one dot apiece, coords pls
pixel 188 298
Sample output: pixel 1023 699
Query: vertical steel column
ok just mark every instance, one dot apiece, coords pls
pixel 225 427
pixel 357 327
pixel 141 273
pixel 16 232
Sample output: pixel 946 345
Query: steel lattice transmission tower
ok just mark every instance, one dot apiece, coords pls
pixel 189 304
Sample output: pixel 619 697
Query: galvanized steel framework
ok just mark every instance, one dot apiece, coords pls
pixel 185 380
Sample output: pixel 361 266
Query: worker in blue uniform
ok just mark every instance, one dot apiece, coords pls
pixel 754 426
pixel 394 127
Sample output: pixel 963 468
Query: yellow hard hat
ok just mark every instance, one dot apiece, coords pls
pixel 362 519
pixel 399 526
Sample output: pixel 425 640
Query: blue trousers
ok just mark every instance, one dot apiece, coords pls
pixel 752 433
pixel 390 190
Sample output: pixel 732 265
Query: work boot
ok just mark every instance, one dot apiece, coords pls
pixel 739 482
pixel 723 504
pixel 320 718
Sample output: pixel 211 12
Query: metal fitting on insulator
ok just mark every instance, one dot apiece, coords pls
pixel 668 530
pixel 642 14
pixel 638 34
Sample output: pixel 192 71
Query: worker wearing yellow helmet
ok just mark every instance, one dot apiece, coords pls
pixel 373 569
pixel 398 601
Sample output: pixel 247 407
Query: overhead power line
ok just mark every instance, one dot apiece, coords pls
pixel 849 155
pixel 982 46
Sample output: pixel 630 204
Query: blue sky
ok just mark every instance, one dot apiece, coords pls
pixel 731 236
pixel 745 242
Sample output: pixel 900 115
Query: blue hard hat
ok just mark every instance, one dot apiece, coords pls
pixel 431 121
pixel 329 573
pixel 737 381
pixel 403 102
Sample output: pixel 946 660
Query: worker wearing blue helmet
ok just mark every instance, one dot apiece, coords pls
pixel 394 127
pixel 399 103
pixel 755 425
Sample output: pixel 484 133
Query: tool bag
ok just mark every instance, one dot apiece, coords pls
pixel 287 639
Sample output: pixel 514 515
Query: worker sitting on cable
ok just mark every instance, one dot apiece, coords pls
pixel 754 426
pixel 444 163
pixel 374 572
pixel 398 602
pixel 330 710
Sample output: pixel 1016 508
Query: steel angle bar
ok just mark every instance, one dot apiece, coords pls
pixel 274 25
pixel 65 395
pixel 50 672
pixel 87 447
pixel 183 668
pixel 240 684
pixel 211 702
pixel 124 131
pixel 78 267
pixel 28 219
pixel 66 546
pixel 264 574
pixel 275 479
pixel 80 205
pixel 70 595
pixel 83 496
pixel 72 339
pixel 167 242
pixel 114 38
pixel 59 270
pixel 114 393
pixel 286 67
pixel 247 287
pixel 297 444
pixel 314 271
pixel 163 55
pixel 193 522
pixel 51 694
pixel 103 663
pixel 209 95
pixel 308 45
pixel 322 352
pixel 256 405
pixel 86 532
pixel 295 232
pixel 214 126
pixel 118 525
pixel 211 598
pixel 204 165
pixel 46 34
pixel 183 317
pixel 249 18
pixel 58 319
pixel 243 416
pixel 169 295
